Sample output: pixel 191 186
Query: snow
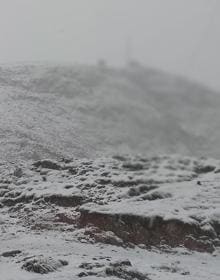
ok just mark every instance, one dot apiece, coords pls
pixel 62 245
pixel 187 200
pixel 87 114
pixel 104 111
pixel 37 231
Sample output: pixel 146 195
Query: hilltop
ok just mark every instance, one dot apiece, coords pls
pixel 85 111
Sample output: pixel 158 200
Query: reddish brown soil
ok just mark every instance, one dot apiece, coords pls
pixel 151 232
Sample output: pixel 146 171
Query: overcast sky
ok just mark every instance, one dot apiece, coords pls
pixel 180 36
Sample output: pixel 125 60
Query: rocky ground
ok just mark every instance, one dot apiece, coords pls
pixel 121 217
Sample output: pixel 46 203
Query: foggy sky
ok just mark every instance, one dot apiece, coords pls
pixel 180 36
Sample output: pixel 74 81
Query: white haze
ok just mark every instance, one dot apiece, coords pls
pixel 179 36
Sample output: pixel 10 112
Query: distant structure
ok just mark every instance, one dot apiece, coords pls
pixel 130 60
pixel 102 64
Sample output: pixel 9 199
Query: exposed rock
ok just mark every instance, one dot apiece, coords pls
pixel 89 266
pixel 106 237
pixel 133 192
pixel 121 263
pixel 133 166
pixel 156 195
pixel 48 164
pixel 11 253
pixel 200 169
pixel 64 218
pixel 64 200
pixel 151 231
pixel 132 183
pixel 19 199
pixel 136 191
pixel 18 172
pixel 123 273
pixel 68 187
pixel 43 266
pixel 120 269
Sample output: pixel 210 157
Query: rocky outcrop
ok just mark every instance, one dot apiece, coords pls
pixel 65 201
pixel 120 269
pixel 151 231
pixel 48 164
pixel 119 201
pixel 43 265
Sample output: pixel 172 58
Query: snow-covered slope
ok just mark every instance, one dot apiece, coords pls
pixel 91 214
pixel 54 111
pixel 124 217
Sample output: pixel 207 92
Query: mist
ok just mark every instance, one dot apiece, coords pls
pixel 109 139
pixel 178 36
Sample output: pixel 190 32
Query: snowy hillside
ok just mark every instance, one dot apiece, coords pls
pixel 115 218
pixel 55 111
pixel 101 175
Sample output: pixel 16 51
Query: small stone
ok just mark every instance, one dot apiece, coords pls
pixel 11 253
